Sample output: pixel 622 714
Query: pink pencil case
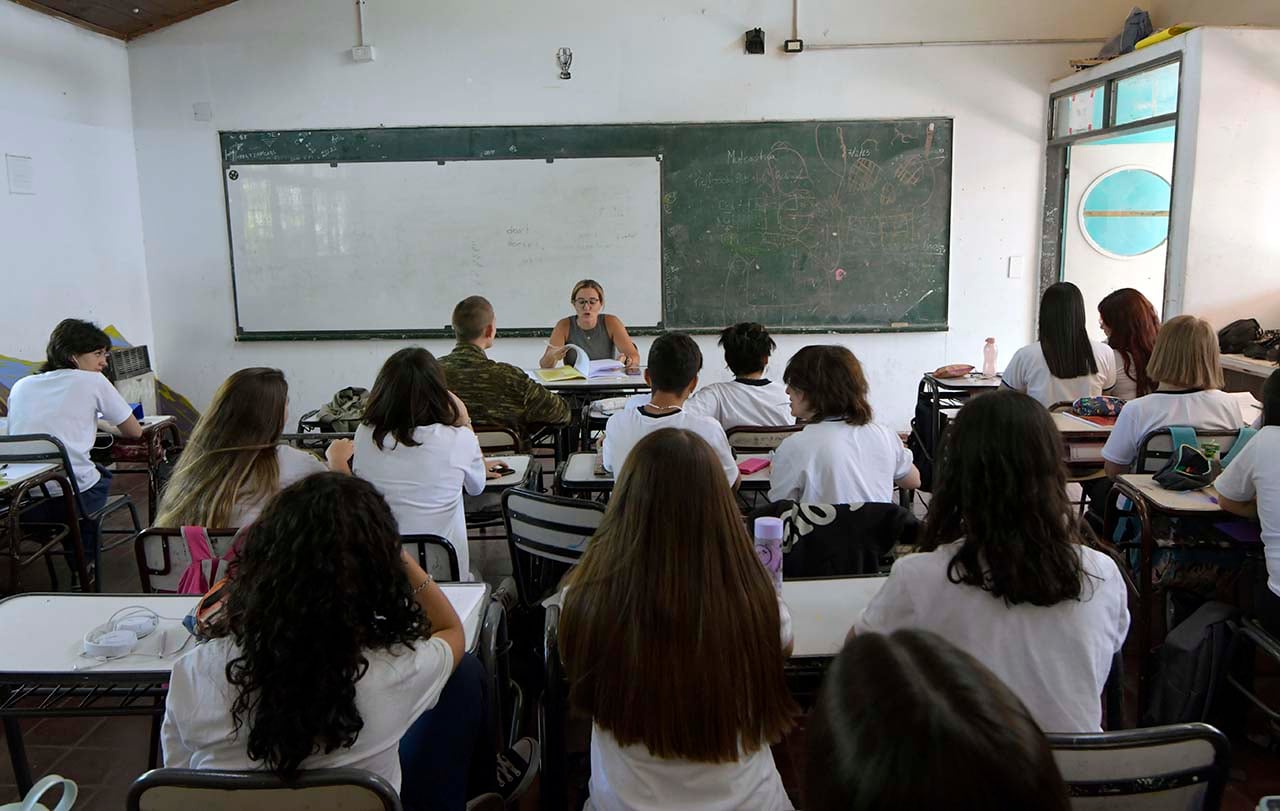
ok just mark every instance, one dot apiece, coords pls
pixel 748 466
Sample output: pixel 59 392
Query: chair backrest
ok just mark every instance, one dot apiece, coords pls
pixel 553 716
pixel 162 556
pixel 546 536
pixel 25 448
pixel 757 438
pixel 497 439
pixel 1183 766
pixel 209 790
pixel 436 555
pixel 1156 447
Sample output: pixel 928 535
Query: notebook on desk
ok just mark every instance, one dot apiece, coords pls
pixel 583 368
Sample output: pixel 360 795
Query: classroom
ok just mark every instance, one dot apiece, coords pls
pixel 968 310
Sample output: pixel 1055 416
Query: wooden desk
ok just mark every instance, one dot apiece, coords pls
pixel 45 674
pixel 17 480
pixel 1246 374
pixel 578 475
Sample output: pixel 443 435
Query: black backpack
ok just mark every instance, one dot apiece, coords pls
pixel 922 443
pixel 1234 337
pixel 1192 666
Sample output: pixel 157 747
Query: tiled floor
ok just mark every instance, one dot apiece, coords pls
pixel 105 755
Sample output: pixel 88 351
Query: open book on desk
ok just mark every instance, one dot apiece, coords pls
pixel 583 368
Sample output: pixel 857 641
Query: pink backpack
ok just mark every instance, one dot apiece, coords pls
pixel 205 568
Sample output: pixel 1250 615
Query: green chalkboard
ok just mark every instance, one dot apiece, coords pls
pixel 801 225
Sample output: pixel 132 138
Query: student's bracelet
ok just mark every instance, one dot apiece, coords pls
pixel 421 585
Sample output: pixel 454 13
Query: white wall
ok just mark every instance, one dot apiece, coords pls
pixel 266 64
pixel 75 247
pixel 1214 12
pixel 1233 239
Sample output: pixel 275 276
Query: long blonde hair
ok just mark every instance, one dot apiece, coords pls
pixel 671 576
pixel 231 454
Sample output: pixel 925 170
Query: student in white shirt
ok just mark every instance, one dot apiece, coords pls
pixel 1130 324
pixel 1185 361
pixel 910 721
pixel 686 693
pixel 672 373
pixel 841 456
pixel 1250 486
pixel 1063 364
pixel 334 649
pixel 750 398
pixel 233 462
pixel 64 399
pixel 1006 573
pixel 416 445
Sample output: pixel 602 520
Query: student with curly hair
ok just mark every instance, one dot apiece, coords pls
pixel 332 648
pixel 911 721
pixel 750 398
pixel 1006 572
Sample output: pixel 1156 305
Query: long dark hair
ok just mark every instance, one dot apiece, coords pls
pixel 911 721
pixel 644 594
pixel 1002 488
pixel 1064 338
pixel 1271 400
pixel 832 381
pixel 72 337
pixel 410 391
pixel 317 584
pixel 1133 324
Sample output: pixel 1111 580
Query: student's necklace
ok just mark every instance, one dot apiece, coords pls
pixel 662 408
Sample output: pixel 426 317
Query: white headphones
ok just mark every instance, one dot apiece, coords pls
pixel 119 635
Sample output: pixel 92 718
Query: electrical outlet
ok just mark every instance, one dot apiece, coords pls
pixel 362 53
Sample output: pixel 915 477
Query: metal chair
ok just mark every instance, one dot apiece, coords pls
pixel 494 650
pixel 553 712
pixel 485 510
pixel 162 555
pixel 211 790
pixel 1182 766
pixel 546 536
pixel 759 438
pixel 1156 447
pixel 436 555
pixel 498 439
pixel 47 448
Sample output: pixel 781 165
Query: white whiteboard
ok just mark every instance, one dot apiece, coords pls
pixel 394 246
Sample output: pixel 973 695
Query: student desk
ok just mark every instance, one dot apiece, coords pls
pixel 44 674
pixel 1246 374
pixel 520 465
pixel 145 454
pixel 822 612
pixel 1082 440
pixel 577 476
pixel 1150 498
pixel 578 393
pixel 17 480
pixel 949 394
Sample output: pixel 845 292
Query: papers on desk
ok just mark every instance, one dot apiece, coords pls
pixel 583 368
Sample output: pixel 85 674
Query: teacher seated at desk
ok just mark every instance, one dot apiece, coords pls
pixel 603 336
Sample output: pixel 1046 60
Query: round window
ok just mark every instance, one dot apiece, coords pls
pixel 1125 212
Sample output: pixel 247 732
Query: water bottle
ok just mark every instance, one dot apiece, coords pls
pixel 989 358
pixel 768 533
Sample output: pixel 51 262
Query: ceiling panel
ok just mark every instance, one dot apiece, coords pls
pixel 124 19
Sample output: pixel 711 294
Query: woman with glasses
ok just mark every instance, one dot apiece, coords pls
pixel 602 336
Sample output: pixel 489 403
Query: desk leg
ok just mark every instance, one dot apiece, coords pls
pixel 153 745
pixel 1145 600
pixel 18 755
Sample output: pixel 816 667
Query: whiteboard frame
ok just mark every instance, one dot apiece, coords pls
pixel 229 157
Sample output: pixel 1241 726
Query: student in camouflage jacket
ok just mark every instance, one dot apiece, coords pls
pixel 495 393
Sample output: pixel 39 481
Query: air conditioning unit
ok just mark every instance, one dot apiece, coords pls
pixel 129 368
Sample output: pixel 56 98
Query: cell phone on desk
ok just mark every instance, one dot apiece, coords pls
pixel 502 468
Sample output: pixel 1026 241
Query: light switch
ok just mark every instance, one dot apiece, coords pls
pixel 1017 266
